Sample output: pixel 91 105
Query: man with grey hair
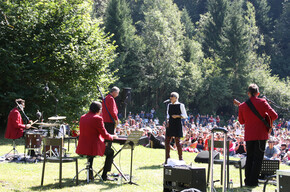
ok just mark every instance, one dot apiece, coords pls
pixel 110 116
pixel 175 112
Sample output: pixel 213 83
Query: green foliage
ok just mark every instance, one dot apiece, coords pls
pixel 262 15
pixel 195 8
pixel 188 25
pixel 280 55
pixel 271 86
pixel 208 51
pixel 54 42
pixel 215 90
pixel 211 30
pixel 235 52
pixel 162 34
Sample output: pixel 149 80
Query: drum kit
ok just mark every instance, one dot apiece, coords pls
pixel 33 137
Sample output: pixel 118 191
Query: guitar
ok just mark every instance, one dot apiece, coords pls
pixel 267 118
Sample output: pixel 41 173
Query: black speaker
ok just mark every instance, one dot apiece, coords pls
pixel 178 178
pixel 144 140
pixel 203 156
pixel 283 180
pixel 126 95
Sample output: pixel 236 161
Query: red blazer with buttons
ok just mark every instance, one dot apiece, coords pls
pixel 92 135
pixel 112 108
pixel 255 129
pixel 15 125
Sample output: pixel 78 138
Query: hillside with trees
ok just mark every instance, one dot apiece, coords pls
pixel 208 51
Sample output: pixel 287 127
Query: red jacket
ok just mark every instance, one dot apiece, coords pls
pixel 255 129
pixel 112 108
pixel 15 125
pixel 92 135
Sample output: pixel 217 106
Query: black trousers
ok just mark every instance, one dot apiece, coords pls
pixel 109 152
pixel 255 155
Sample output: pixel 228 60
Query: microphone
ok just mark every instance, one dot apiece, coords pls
pixel 38 114
pixel 166 101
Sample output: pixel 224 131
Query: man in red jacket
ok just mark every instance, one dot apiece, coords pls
pixel 110 116
pixel 256 133
pixel 15 124
pixel 93 134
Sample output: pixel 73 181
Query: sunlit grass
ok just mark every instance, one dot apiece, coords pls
pixel 147 172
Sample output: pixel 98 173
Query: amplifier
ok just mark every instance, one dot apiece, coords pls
pixel 178 178
pixel 283 178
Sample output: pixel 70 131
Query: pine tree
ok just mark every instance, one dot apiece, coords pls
pixel 162 34
pixel 188 25
pixel 262 15
pixel 235 49
pixel 281 57
pixel 211 31
pixel 119 23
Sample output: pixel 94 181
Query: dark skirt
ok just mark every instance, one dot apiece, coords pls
pixel 175 128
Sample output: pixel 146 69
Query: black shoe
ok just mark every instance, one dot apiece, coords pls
pixel 252 185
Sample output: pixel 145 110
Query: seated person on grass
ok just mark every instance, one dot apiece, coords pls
pixel 271 152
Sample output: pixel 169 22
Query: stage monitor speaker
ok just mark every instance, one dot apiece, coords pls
pixel 283 178
pixel 203 156
pixel 144 140
pixel 179 178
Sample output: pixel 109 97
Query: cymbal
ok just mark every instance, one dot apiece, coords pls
pixel 48 124
pixel 57 118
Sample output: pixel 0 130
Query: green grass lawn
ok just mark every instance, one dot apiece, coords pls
pixel 147 172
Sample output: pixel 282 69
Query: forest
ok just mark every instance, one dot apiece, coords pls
pixel 54 53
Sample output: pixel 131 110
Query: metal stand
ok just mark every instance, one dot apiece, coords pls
pixel 88 169
pixel 132 149
pixel 214 130
pixel 14 151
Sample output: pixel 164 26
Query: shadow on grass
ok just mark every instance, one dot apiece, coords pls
pixel 151 167
pixel 67 182
pixel 235 189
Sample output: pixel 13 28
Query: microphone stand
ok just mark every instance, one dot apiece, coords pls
pixel 274 104
pixel 21 109
pixel 166 103
pixel 46 90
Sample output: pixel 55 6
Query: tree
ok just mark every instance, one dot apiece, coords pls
pixel 280 55
pixel 119 23
pixel 235 49
pixel 55 43
pixel 195 8
pixel 161 63
pixel 262 15
pixel 100 7
pixel 211 28
pixel 188 25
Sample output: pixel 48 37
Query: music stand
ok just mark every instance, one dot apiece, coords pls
pixel 132 140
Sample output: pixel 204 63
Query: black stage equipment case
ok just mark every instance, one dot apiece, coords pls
pixel 283 179
pixel 178 178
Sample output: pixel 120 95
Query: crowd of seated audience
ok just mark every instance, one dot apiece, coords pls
pixel 196 132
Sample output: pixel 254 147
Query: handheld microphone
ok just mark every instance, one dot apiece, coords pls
pixel 166 101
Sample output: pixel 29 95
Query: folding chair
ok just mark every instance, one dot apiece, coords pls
pixel 52 142
pixel 268 170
